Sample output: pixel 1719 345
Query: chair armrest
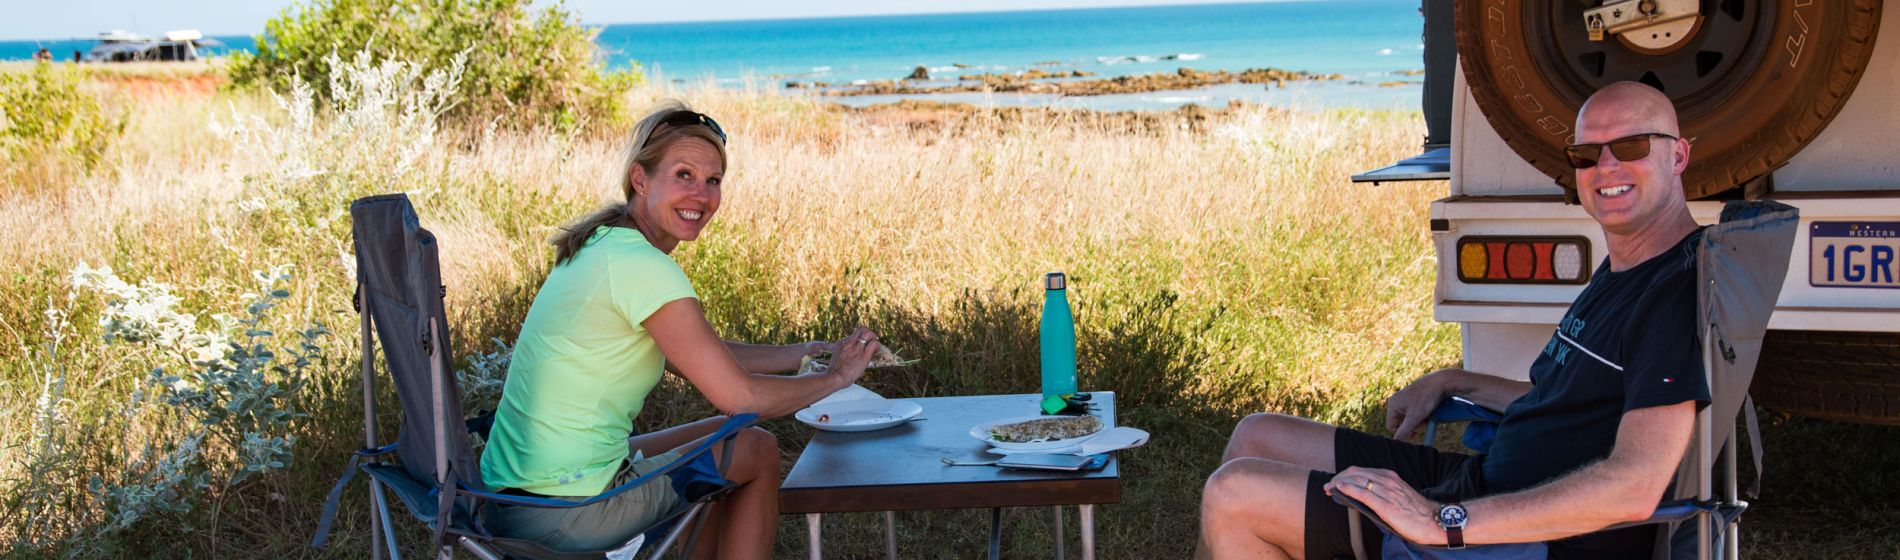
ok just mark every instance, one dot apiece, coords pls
pixel 1361 508
pixel 726 431
pixel 1458 409
pixel 1673 511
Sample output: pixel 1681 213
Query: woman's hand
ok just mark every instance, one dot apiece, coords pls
pixel 811 349
pixel 850 355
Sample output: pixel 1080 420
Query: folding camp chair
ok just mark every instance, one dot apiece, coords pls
pixel 1740 266
pixel 399 294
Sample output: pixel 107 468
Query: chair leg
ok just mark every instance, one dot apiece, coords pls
pixel 381 527
pixel 1356 531
pixel 376 536
pixel 477 549
pixel 698 519
pixel 672 535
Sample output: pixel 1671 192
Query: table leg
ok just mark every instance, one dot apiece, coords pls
pixel 1088 531
pixel 996 533
pixel 890 535
pixel 812 522
pixel 1059 539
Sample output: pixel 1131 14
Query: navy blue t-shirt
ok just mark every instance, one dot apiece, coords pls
pixel 1629 341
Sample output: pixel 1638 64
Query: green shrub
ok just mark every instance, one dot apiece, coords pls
pixel 217 407
pixel 526 67
pixel 51 131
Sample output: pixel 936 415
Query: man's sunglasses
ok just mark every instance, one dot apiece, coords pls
pixel 690 118
pixel 1628 148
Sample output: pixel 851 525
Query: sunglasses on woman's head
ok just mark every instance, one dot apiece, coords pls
pixel 690 118
pixel 1627 148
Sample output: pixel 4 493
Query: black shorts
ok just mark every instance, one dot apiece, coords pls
pixel 1328 534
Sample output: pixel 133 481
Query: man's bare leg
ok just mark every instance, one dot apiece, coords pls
pixel 1254 508
pixel 1287 439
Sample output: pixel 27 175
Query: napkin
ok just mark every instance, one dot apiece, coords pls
pixel 1113 439
pixel 853 393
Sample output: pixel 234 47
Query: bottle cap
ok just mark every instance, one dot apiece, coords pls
pixel 1055 281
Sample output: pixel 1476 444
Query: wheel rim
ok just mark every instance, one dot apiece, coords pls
pixel 1702 67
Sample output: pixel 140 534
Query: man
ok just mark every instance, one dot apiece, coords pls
pixel 1593 439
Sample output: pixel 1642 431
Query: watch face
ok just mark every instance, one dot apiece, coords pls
pixel 1452 515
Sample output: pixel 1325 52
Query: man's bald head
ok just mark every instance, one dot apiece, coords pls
pixel 1636 197
pixel 1629 104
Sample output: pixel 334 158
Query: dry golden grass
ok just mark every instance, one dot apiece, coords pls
pixel 1222 264
pixel 1242 211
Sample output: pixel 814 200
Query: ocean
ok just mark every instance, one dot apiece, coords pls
pixel 1374 44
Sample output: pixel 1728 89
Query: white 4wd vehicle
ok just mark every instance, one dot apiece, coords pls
pixel 1791 100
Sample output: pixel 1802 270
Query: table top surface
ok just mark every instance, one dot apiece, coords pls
pixel 901 468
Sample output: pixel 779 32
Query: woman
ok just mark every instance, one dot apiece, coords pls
pixel 613 314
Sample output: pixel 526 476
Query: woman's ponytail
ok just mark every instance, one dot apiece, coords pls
pixel 576 234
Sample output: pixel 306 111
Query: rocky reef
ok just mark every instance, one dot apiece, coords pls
pixel 1066 83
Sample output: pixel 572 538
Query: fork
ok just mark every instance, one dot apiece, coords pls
pixel 955 463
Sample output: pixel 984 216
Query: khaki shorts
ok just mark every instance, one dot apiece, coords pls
pixel 601 526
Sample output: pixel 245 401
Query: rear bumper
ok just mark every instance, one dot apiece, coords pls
pixel 1801 306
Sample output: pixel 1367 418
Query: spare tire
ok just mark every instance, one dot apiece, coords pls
pixel 1755 81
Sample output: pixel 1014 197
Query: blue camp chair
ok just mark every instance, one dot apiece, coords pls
pixel 1740 267
pixel 399 295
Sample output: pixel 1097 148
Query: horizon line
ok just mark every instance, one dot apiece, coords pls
pixel 1132 4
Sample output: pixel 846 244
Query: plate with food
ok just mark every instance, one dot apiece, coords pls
pixel 1037 433
pixel 859 415
pixel 884 358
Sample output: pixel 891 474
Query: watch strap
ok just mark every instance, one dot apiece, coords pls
pixel 1454 530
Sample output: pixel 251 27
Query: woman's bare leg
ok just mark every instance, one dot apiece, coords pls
pixel 747 520
pixel 662 441
pixel 744 523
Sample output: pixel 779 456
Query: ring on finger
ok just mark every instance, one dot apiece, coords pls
pixel 1368 486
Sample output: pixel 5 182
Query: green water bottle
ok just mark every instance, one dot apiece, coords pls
pixel 1058 344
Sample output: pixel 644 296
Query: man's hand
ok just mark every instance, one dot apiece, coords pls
pixel 1413 405
pixel 1410 514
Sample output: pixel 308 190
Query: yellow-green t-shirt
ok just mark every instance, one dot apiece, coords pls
pixel 582 368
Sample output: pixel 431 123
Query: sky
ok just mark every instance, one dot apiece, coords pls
pixel 56 19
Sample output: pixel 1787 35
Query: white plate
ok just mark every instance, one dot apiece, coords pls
pixel 859 415
pixel 982 432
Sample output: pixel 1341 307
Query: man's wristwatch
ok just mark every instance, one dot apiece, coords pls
pixel 1452 517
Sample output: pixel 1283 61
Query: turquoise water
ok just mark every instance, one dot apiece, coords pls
pixel 1366 38
pixel 1370 42
pixel 63 49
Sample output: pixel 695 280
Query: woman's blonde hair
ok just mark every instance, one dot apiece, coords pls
pixel 649 142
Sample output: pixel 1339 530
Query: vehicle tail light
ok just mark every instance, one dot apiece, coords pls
pixel 1523 260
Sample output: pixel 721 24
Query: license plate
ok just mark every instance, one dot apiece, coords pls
pixel 1854 254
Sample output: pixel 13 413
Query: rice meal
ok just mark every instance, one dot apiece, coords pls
pixel 1046 429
